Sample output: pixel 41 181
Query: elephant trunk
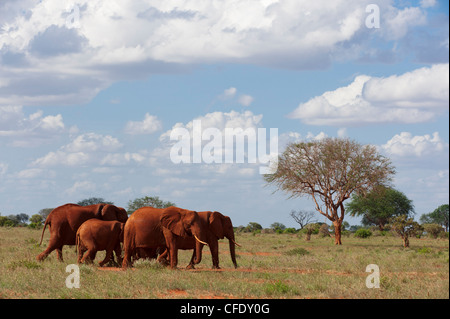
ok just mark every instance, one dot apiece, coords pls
pixel 198 250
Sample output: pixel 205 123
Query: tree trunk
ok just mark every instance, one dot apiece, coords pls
pixel 308 236
pixel 405 241
pixel 337 232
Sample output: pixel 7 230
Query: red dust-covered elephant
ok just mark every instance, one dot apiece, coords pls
pixel 153 228
pixel 217 227
pixel 65 220
pixel 96 235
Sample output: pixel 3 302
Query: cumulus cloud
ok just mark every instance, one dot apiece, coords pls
pixel 82 150
pixel 31 130
pixel 52 53
pixel 407 145
pixel 149 125
pixel 413 97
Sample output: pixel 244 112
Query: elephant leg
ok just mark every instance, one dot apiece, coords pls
pixel 126 262
pixel 59 253
pixel 81 251
pixel 163 257
pixel 192 262
pixel 173 255
pixel 214 248
pixel 118 251
pixel 107 257
pixel 89 256
pixel 52 245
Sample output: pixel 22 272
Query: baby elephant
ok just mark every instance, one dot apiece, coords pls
pixel 95 235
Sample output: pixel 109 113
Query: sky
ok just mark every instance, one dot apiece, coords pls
pixel 90 92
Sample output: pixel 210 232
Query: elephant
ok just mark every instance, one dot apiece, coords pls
pixel 96 235
pixel 218 227
pixel 65 220
pixel 150 228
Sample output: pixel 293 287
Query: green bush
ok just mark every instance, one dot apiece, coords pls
pixel 290 231
pixel 297 252
pixel 363 233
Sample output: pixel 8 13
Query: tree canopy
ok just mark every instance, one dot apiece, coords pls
pixel 330 171
pixel 438 216
pixel 93 201
pixel 377 206
pixel 154 201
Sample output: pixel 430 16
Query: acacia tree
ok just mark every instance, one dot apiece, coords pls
pixel 379 205
pixel 330 171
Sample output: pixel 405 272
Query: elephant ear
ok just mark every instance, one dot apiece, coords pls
pixel 171 219
pixel 112 212
pixel 109 212
pixel 99 211
pixel 216 224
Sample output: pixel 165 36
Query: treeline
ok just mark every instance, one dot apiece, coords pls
pixel 37 220
pixel 377 221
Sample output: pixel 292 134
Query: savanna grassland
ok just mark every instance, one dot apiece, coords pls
pixel 270 266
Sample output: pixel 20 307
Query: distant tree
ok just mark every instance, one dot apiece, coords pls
pixel 6 222
pixel 252 227
pixel 154 201
pixel 433 229
pixel 278 227
pixel 377 206
pixel 324 231
pixel 405 227
pixel 93 201
pixel 36 219
pixel 330 171
pixel 310 229
pixel 303 217
pixel 44 212
pixel 439 216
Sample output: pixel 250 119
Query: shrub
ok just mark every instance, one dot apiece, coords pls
pixel 433 229
pixel 323 231
pixel 290 231
pixel 363 233
pixel 297 252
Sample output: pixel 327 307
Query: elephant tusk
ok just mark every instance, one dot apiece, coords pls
pixel 202 242
pixel 236 243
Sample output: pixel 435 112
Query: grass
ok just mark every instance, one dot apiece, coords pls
pixel 270 266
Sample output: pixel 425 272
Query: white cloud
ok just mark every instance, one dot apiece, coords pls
pixel 245 100
pixel 81 187
pixel 32 130
pixel 46 60
pixel 412 97
pixel 407 145
pixel 92 142
pixel 82 150
pixel 61 158
pixel 149 125
pixel 119 159
pixel 427 3
pixel 229 93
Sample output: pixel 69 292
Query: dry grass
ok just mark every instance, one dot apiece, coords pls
pixel 270 266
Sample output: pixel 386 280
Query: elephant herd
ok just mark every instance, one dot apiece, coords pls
pixel 148 233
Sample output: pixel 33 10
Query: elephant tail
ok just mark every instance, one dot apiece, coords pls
pixel 47 222
pixel 77 241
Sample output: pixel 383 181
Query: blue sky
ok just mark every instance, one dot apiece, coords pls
pixel 90 91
